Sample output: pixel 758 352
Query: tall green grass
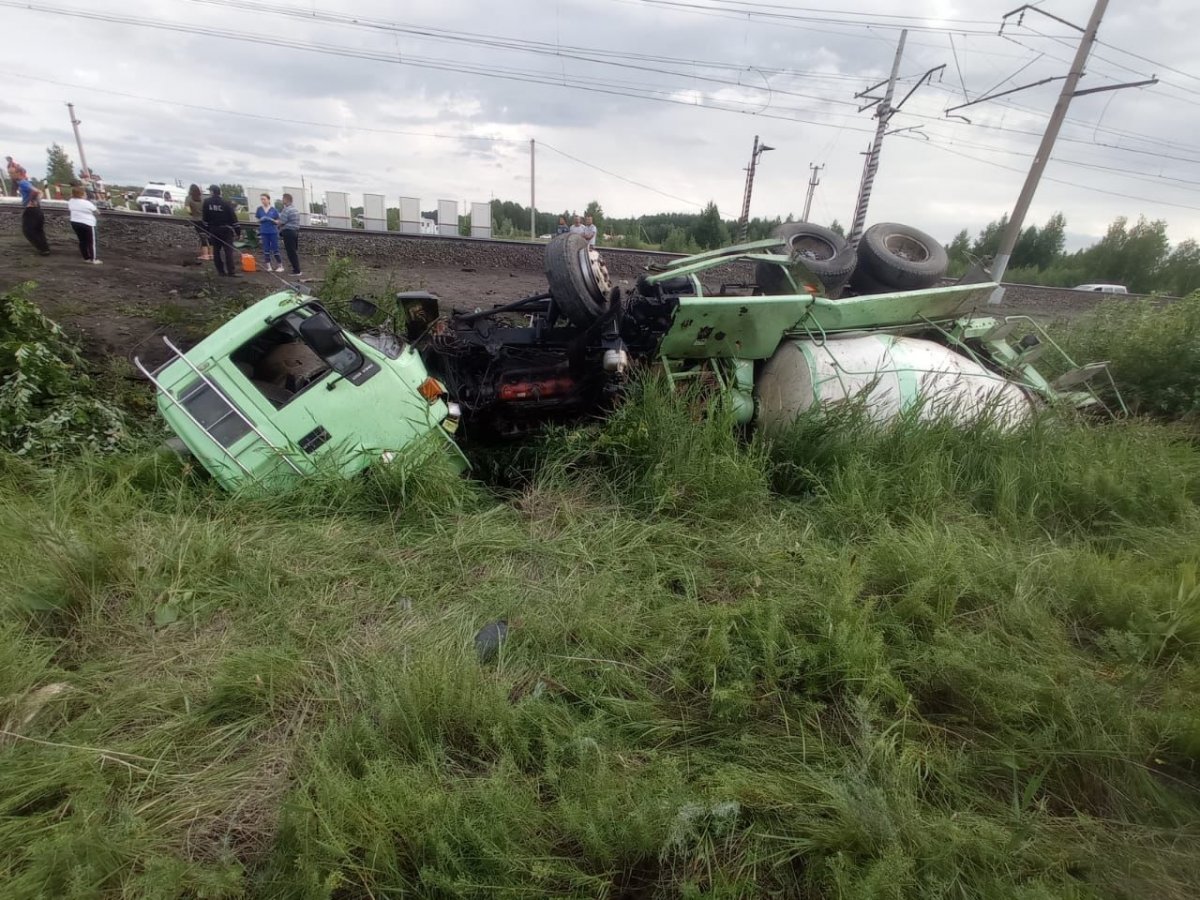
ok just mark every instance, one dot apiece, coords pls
pixel 915 662
pixel 1153 351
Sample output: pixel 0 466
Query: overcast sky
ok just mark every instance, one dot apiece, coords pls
pixel 707 79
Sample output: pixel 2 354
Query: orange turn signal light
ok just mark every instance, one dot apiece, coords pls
pixel 431 389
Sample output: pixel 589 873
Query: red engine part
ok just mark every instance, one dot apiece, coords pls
pixel 542 389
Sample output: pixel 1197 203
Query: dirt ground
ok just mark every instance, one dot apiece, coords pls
pixel 118 309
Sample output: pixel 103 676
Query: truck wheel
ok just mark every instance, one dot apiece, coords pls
pixel 578 279
pixel 863 282
pixel 902 257
pixel 822 251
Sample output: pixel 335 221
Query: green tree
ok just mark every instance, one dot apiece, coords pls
pixel 678 240
pixel 596 211
pixel 1181 272
pixel 59 168
pixel 959 251
pixel 232 191
pixel 835 226
pixel 710 232
pixel 1130 255
pixel 987 244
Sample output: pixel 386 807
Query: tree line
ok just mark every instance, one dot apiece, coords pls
pixel 1138 255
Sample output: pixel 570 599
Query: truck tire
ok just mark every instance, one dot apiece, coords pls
pixel 578 279
pixel 902 257
pixel 863 282
pixel 822 251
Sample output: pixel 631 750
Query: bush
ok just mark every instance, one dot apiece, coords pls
pixel 48 404
pixel 1153 351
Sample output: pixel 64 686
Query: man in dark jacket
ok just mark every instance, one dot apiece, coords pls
pixel 220 219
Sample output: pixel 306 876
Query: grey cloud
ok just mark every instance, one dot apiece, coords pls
pixel 692 153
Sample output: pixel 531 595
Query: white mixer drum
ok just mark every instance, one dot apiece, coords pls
pixel 889 375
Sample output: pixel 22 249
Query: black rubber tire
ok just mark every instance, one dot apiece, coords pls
pixel 863 282
pixel 568 286
pixel 902 257
pixel 823 252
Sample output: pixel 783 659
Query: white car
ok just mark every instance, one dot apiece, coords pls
pixel 1102 288
pixel 158 197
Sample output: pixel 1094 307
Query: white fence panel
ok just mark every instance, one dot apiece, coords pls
pixel 374 212
pixel 300 201
pixel 447 218
pixel 337 209
pixel 481 220
pixel 410 215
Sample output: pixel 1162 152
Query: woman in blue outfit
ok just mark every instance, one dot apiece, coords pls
pixel 268 232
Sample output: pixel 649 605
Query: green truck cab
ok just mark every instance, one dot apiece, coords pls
pixel 281 391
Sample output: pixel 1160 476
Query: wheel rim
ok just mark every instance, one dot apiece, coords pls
pixel 595 275
pixel 809 246
pixel 904 247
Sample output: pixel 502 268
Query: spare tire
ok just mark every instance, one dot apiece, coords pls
pixel 822 251
pixel 578 279
pixel 902 257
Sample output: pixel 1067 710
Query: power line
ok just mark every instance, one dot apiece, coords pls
pixel 1085 187
pixel 591 85
pixel 1152 62
pixel 260 116
pixel 760 12
pixel 141 98
pixel 598 56
pixel 621 177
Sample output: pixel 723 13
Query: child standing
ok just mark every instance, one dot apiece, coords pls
pixel 268 232
pixel 83 222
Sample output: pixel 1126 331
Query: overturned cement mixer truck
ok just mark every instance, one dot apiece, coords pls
pixel 283 391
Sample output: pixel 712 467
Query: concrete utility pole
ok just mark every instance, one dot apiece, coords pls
pixel 744 220
pixel 532 198
pixel 883 115
pixel 813 181
pixel 1017 219
pixel 84 170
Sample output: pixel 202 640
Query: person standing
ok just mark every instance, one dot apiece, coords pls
pixel 289 230
pixel 589 231
pixel 195 208
pixel 563 227
pixel 33 220
pixel 268 232
pixel 83 223
pixel 576 226
pixel 220 218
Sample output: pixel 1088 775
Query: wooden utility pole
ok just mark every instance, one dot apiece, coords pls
pixel 532 193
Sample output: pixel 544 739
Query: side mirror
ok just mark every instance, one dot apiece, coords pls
pixel 328 341
pixel 363 308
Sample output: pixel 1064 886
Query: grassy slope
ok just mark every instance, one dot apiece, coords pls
pixel 922 664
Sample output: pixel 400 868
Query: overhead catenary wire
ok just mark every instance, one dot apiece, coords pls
pixel 599 56
pixel 142 98
pixel 589 84
pixel 555 79
pixel 1062 181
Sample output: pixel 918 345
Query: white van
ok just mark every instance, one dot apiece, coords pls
pixel 158 197
pixel 1102 288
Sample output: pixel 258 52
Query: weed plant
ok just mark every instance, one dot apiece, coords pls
pixel 1153 351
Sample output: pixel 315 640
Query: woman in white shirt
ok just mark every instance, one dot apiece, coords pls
pixel 83 222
